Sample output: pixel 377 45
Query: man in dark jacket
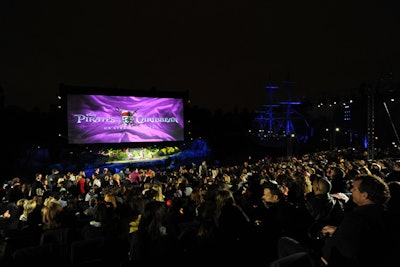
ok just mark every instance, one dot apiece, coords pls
pixel 359 240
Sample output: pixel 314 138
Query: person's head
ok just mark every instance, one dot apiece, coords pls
pixel 39 176
pixel 394 202
pixel 153 219
pixel 369 189
pixel 16 181
pixel 51 213
pixel 223 197
pixel 396 165
pixel 103 213
pixel 336 173
pixel 93 202
pixel 29 206
pixel 158 192
pixel 321 185
pixel 110 198
pixel 196 196
pixel 117 178
pixel 272 193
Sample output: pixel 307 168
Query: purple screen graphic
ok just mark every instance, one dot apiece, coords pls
pixel 123 119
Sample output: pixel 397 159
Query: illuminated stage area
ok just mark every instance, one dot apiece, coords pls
pixel 140 157
pixel 140 154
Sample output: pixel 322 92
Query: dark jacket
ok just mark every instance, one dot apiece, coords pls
pixel 359 240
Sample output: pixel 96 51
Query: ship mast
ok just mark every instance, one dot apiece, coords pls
pixel 275 119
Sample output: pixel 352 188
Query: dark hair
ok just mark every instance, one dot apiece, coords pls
pixel 376 187
pixel 102 212
pixel 323 183
pixel 394 201
pixel 275 189
pixel 153 218
pixel 338 173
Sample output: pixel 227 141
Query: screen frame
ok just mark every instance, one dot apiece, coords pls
pixel 68 91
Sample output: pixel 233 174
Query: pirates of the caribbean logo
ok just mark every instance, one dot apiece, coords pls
pixel 127 116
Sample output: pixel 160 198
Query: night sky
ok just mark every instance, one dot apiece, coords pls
pixel 223 53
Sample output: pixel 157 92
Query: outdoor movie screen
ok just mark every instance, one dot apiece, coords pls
pixel 123 119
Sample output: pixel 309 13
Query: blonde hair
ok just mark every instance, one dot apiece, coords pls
pixel 159 192
pixel 21 202
pixel 109 197
pixel 29 206
pixel 117 178
pixel 196 196
pixel 50 213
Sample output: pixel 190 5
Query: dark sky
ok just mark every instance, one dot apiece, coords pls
pixel 222 52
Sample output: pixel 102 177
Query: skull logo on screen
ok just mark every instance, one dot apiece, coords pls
pixel 127 116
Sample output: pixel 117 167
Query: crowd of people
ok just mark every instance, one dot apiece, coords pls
pixel 320 209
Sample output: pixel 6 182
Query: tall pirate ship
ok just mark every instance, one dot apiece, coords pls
pixel 274 125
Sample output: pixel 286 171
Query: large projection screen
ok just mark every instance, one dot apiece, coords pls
pixel 96 119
